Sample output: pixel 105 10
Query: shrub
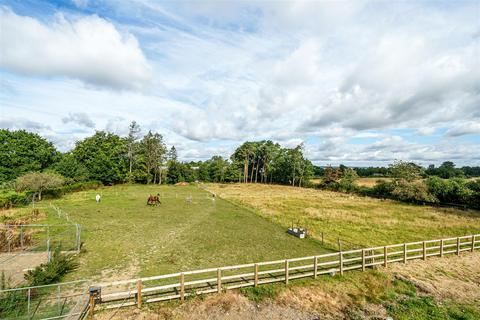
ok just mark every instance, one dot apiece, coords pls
pixel 52 271
pixel 415 191
pixel 10 198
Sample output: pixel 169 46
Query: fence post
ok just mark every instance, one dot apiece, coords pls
pixel 473 243
pixel 219 280
pixel 21 236
pixel 405 253
pixel 139 293
pixel 182 286
pixel 286 271
pixel 58 301
pixel 49 256
pixel 341 262
pixel 77 227
pixel 91 308
pixel 424 250
pixel 363 259
pixel 441 247
pixel 315 267
pixel 256 274
pixel 322 239
pixel 28 302
pixel 385 256
pixel 458 246
pixel 339 244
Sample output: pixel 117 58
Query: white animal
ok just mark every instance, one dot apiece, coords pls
pixel 97 197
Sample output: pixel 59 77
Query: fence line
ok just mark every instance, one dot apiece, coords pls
pixel 191 283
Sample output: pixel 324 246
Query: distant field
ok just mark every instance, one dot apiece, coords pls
pixel 367 182
pixel 124 238
pixel 359 220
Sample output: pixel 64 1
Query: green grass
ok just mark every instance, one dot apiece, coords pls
pixel 123 237
pixel 362 221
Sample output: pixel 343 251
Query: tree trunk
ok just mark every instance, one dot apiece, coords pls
pixel 245 171
pixel 251 175
pixel 39 195
pixel 256 172
pixel 160 176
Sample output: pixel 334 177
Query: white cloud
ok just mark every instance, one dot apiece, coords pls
pixel 88 48
pixel 80 118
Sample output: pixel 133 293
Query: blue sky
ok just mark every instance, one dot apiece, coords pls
pixel 358 82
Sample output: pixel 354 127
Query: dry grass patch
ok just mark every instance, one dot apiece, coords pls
pixel 359 220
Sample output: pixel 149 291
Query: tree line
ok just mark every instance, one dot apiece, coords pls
pixel 136 158
pixel 410 182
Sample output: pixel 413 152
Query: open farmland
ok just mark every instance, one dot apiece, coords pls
pixel 360 221
pixel 124 238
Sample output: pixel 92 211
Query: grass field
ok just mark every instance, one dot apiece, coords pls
pixel 359 220
pixel 364 182
pixel 124 238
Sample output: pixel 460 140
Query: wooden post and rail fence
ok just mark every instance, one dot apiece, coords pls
pixel 181 285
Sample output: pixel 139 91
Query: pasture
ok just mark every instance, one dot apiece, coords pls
pixel 125 238
pixel 359 221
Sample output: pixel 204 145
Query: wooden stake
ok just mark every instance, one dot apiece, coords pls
pixel 219 280
pixel 139 293
pixel 91 308
pixel 385 256
pixel 473 243
pixel 341 262
pixel 424 250
pixel 405 253
pixel 256 275
pixel 182 286
pixel 363 259
pixel 458 246
pixel 441 247
pixel 315 267
pixel 286 271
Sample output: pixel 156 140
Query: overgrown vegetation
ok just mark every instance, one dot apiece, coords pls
pixel 260 293
pixel 53 271
pixel 407 184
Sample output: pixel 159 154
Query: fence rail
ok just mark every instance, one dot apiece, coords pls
pixel 191 283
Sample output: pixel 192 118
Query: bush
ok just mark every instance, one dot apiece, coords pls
pixel 415 191
pixel 52 271
pixel 10 198
pixel 449 190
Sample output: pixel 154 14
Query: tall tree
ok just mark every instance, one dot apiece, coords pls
pixel 22 152
pixel 104 156
pixel 153 150
pixel 132 145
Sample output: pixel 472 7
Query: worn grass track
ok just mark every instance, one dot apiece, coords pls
pixel 124 238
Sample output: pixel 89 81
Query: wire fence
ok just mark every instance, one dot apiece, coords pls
pixel 24 246
pixel 54 301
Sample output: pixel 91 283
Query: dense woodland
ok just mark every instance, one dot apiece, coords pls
pixel 31 163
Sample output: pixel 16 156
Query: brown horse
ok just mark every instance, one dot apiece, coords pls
pixel 154 200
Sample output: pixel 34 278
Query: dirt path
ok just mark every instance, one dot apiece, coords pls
pixel 14 265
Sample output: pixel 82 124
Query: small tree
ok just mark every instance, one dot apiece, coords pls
pixel 38 182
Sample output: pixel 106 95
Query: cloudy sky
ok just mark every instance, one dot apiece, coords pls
pixel 359 82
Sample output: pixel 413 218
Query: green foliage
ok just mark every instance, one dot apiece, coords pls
pixel 152 151
pixel 261 293
pixel 22 152
pixel 408 171
pixel 52 271
pixel 69 167
pixel 10 198
pixel 446 170
pixel 38 182
pixel 103 155
pixel 411 191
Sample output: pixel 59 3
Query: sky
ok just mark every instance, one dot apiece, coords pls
pixel 358 82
